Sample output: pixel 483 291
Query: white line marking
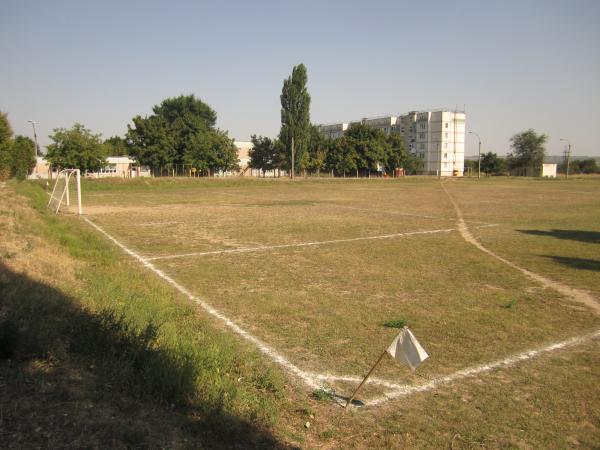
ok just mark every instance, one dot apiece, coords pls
pixel 472 371
pixel 308 244
pixel 312 380
pixel 275 356
pixel 301 244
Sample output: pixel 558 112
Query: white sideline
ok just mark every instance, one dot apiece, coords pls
pixel 313 380
pixel 300 244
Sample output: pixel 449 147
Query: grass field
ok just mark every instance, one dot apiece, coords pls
pixel 308 273
pixel 314 269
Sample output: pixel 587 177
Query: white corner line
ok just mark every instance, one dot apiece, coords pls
pixel 472 371
pixel 264 348
pixel 313 380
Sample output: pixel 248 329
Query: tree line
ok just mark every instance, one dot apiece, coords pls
pixel 300 148
pixel 181 130
pixel 526 157
pixel 362 149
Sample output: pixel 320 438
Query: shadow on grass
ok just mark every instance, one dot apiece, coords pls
pixel 592 237
pixel 577 263
pixel 70 377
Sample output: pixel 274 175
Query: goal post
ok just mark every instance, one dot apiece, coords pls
pixel 68 182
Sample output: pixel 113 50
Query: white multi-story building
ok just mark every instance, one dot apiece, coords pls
pixel 436 137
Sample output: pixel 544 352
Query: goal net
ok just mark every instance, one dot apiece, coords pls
pixel 66 193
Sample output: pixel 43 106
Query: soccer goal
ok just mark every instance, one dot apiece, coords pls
pixel 66 186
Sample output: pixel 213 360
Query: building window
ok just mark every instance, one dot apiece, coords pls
pixel 422 146
pixel 446 135
pixel 445 145
pixel 421 135
pixel 445 155
pixel 446 125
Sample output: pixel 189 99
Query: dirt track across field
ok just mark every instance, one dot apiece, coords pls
pixel 572 293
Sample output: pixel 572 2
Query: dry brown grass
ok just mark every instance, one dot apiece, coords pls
pixel 324 307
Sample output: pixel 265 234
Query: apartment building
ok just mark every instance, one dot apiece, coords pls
pixel 437 137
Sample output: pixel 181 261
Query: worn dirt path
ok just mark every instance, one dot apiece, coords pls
pixel 576 295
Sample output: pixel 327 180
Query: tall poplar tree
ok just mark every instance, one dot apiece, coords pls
pixel 295 119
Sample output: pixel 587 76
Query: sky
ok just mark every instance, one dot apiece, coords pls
pixel 512 65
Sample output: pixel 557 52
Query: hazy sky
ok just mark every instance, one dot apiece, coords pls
pixel 515 65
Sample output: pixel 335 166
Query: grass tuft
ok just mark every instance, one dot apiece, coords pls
pixel 322 395
pixel 510 304
pixel 397 323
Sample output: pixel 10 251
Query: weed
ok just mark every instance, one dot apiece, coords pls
pixel 397 323
pixel 510 304
pixel 322 395
pixel 327 434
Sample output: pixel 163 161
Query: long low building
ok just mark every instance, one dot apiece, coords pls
pixel 437 137
pixel 116 166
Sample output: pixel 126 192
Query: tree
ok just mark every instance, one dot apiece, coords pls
pixel 369 145
pixel 181 131
pixel 212 151
pixel 5 128
pixel 491 163
pixel 317 150
pixel 76 148
pixel 398 157
pixel 23 157
pixel 295 118
pixel 263 153
pixel 528 152
pixel 341 156
pixel 115 146
pixel 5 147
pixel 17 156
pixel 588 166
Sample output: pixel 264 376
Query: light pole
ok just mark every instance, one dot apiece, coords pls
pixel 37 147
pixel 478 154
pixel 568 154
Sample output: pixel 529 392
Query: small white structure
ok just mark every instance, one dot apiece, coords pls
pixel 121 166
pixel 549 170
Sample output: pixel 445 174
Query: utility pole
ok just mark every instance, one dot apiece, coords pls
pixel 478 154
pixel 37 147
pixel 568 154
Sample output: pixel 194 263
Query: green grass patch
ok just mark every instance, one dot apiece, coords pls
pixel 322 395
pixel 396 323
pixel 510 304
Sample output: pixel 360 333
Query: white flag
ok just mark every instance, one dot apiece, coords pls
pixel 407 349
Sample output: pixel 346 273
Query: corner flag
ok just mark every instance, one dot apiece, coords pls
pixel 405 348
